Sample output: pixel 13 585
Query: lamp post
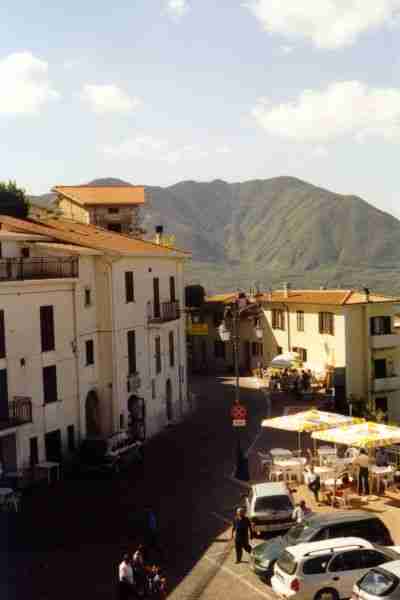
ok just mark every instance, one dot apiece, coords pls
pixel 229 330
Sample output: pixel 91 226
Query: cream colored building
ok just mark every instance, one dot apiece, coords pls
pixel 92 338
pixel 349 332
pixel 115 207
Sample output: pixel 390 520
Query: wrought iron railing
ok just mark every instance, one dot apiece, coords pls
pixel 19 413
pixel 14 269
pixel 162 312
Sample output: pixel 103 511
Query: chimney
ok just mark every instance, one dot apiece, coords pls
pixel 366 291
pixel 159 232
pixel 286 289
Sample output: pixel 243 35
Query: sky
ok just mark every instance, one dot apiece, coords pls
pixel 159 91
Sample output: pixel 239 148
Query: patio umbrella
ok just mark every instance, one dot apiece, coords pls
pixel 286 361
pixel 361 435
pixel 309 421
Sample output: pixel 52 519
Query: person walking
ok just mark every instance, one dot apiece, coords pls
pixel 125 578
pixel 313 482
pixel 241 530
pixel 362 461
pixel 151 532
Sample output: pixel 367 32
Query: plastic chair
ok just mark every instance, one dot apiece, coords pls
pixel 276 474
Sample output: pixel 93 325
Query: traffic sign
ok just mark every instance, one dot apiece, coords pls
pixel 239 422
pixel 238 411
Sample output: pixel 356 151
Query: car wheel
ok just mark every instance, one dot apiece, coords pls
pixel 327 594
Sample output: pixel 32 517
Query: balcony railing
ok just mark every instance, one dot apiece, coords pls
pixel 387 384
pixel 17 269
pixel 387 340
pixel 162 312
pixel 19 413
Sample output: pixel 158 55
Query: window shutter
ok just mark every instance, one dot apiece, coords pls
pixel 47 328
pixel 2 335
pixel 131 336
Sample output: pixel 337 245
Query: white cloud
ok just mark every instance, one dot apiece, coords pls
pixel 223 149
pixel 327 23
pixel 151 148
pixel 110 98
pixel 348 108
pixel 286 49
pixel 176 8
pixel 72 63
pixel 25 87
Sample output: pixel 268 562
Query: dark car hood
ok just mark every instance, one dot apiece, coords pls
pixel 270 550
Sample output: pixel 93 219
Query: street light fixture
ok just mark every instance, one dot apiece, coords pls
pixel 258 330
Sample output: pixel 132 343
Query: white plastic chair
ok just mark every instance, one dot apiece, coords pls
pixel 276 474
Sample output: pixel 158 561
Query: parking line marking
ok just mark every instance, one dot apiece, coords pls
pixel 221 518
pixel 240 578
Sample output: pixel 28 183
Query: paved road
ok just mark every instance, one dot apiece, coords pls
pixel 71 537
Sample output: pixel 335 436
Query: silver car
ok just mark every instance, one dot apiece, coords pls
pixel 270 507
pixel 380 583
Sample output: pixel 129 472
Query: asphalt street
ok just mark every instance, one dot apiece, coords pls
pixel 69 539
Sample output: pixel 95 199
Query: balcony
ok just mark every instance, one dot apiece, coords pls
pixel 388 340
pixel 162 312
pixel 386 384
pixel 19 269
pixel 19 413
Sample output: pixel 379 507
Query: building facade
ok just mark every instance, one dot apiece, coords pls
pixel 116 208
pixel 92 339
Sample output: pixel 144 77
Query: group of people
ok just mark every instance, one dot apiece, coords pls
pixel 136 579
pixel 293 378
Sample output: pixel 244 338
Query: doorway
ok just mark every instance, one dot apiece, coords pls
pixel 92 414
pixel 168 396
pixel 53 448
pixel 380 368
pixel 8 452
pixel 137 418
pixel 117 227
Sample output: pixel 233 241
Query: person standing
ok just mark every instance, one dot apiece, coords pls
pixel 362 461
pixel 301 510
pixel 125 578
pixel 241 530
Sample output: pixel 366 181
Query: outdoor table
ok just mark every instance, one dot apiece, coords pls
pixel 378 473
pixel 324 473
pixel 291 465
pixel 280 452
pixel 48 466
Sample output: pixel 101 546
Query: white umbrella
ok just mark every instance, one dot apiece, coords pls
pixel 285 361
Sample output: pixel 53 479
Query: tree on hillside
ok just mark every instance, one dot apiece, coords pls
pixel 13 200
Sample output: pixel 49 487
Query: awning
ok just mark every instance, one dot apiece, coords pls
pixel 309 421
pixel 362 435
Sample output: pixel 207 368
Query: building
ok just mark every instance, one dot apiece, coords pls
pixel 116 207
pixel 348 332
pixel 92 339
pixel 209 354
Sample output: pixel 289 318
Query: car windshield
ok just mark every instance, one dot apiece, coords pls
pixel 301 532
pixel 287 563
pixel 274 503
pixel 377 582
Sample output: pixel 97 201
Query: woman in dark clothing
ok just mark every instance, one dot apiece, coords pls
pixel 241 529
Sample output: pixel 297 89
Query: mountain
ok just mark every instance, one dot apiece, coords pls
pixel 269 229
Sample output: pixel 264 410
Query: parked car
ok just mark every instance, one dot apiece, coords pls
pixel 107 455
pixel 326 570
pixel 317 527
pixel 380 583
pixel 270 507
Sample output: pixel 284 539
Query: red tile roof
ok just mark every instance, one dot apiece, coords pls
pixel 90 195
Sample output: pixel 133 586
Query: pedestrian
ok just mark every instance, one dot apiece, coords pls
pixel 139 574
pixel 301 510
pixel 313 481
pixel 241 530
pixel 125 578
pixel 151 531
pixel 362 461
pixel 381 458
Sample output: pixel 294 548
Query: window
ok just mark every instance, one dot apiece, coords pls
pixel 279 350
pixel 372 558
pixel 171 349
pixel 346 561
pixel 300 320
pixel 50 384
pixel 381 404
pixel 2 335
pixel 380 325
pixel 47 328
pixel 113 211
pixel 25 252
pixel 117 227
pixel 378 583
pixel 88 296
pixel 278 319
pixel 89 347
pixel 219 349
pixel 33 451
pixel 121 421
pixel 71 438
pixel 302 352
pixel 156 297
pixel 153 388
pixel 326 323
pixel 316 566
pixel 131 338
pixel 172 294
pixel 256 349
pixel 129 287
pixel 380 368
pixel 3 395
pixel 158 354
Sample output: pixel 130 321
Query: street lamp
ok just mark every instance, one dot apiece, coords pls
pixel 258 330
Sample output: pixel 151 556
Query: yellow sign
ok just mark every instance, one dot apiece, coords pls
pixel 198 329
